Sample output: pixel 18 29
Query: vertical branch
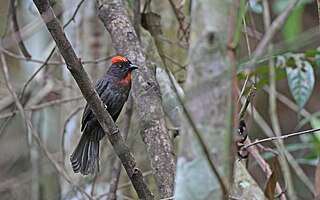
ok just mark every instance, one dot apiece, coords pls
pixel 146 95
pixel 233 106
pixel 273 110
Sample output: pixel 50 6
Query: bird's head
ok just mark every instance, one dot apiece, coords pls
pixel 121 68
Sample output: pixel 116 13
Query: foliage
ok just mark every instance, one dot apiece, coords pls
pixel 300 76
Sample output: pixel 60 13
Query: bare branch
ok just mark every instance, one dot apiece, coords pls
pixel 281 137
pixel 264 166
pixel 43 105
pixel 180 18
pixel 22 47
pixel 95 61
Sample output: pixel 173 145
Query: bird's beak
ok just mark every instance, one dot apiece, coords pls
pixel 132 67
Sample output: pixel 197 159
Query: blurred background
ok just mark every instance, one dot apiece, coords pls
pixel 53 102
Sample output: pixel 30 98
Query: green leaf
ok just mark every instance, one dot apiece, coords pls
pixel 301 82
pixel 315 145
pixel 293 25
pixel 312 53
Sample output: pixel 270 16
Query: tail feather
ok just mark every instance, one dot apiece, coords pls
pixel 85 157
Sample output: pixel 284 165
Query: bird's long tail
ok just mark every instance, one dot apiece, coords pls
pixel 85 157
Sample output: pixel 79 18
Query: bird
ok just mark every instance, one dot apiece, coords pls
pixel 113 88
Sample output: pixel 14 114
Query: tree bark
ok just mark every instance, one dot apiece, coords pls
pixel 75 67
pixel 207 100
pixel 146 95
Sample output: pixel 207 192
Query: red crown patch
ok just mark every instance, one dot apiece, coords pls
pixel 118 59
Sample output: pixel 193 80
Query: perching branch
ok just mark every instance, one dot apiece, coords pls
pixel 75 67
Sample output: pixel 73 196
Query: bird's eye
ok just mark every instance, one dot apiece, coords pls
pixel 120 66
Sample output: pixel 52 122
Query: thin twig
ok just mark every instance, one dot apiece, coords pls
pixel 49 56
pixel 263 165
pixel 63 152
pixel 249 53
pixel 74 14
pixel 281 137
pixel 276 25
pixel 33 131
pixel 268 131
pixel 180 19
pixel 22 47
pixel 43 105
pixel 36 72
pixel 273 108
pixel 179 43
pixel 288 102
pixel 176 62
pixel 94 61
pixel 124 185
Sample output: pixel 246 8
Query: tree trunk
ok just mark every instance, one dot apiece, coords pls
pixel 146 95
pixel 208 97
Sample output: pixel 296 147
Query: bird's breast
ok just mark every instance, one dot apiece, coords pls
pixel 127 79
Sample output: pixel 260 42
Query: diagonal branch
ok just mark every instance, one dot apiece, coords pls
pixel 75 67
pixel 146 95
pixel 33 131
pixel 272 30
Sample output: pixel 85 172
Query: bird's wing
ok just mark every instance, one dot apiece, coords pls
pixel 101 85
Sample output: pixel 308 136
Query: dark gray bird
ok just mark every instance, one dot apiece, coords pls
pixel 113 89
